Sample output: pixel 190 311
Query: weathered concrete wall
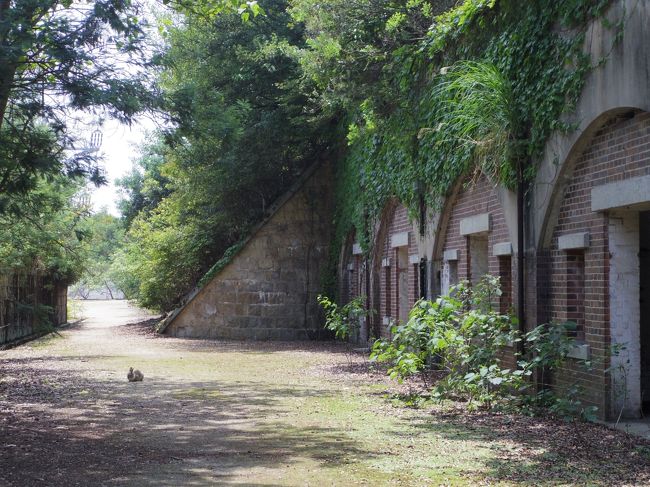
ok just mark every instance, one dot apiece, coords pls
pixel 268 291
pixel 625 316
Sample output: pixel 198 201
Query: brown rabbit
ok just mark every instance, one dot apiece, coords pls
pixel 134 375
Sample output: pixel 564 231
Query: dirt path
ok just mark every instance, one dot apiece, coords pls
pixel 215 413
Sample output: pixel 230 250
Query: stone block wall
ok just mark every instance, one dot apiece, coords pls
pixel 268 291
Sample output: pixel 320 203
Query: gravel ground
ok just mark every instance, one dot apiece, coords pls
pixel 265 414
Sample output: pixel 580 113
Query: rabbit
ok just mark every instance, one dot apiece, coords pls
pixel 134 375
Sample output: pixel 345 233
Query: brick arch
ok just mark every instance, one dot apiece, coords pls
pixel 393 223
pixel 600 155
pixel 567 168
pixel 478 203
pixel 618 84
pixel 587 261
pixel 381 229
pixel 443 220
pixel 386 217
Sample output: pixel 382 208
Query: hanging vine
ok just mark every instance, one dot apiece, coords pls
pixel 531 51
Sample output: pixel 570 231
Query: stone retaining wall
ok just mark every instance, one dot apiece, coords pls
pixel 269 290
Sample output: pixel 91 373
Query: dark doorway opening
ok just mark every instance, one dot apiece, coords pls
pixel 403 305
pixel 644 307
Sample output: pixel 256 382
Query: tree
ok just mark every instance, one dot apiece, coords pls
pixel 58 57
pixel 246 124
pixel 44 233
pixel 209 9
pixel 352 46
pixel 145 186
pixel 103 238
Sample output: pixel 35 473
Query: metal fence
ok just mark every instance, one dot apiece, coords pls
pixel 30 303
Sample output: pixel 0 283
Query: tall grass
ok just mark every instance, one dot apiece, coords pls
pixel 477 108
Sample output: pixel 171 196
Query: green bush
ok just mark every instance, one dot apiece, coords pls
pixel 344 321
pixel 464 337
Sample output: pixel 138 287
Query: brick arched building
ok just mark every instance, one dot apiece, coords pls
pixel 593 263
pixel 396 268
pixel 586 223
pixel 474 238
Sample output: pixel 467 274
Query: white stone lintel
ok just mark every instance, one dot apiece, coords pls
pixel 385 262
pixel 386 320
pixel 414 259
pixel 399 239
pixel 356 249
pixel 619 194
pixel 475 224
pixel 573 241
pixel 451 254
pixel 579 351
pixel 502 249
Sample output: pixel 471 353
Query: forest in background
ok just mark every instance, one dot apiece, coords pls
pixel 249 95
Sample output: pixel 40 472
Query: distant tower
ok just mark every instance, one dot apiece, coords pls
pixel 83 199
pixel 95 140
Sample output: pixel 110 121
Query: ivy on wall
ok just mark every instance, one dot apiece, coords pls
pixel 413 149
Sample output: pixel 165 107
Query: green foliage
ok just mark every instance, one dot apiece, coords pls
pixel 57 57
pixel 227 257
pixel 41 317
pixel 515 69
pixel 477 105
pixel 549 346
pixel 245 125
pixel 344 321
pixel 44 231
pixel 464 337
pixel 103 238
pixel 209 9
pixel 161 257
pixel 146 185
pixel 24 160
pixel 252 104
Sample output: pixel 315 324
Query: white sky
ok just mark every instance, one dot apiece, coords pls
pixel 121 142
pixel 120 145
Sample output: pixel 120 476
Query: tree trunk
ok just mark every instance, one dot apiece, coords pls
pixel 108 287
pixel 6 81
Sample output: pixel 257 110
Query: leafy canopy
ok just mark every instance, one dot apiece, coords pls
pixel 245 125
pixel 58 58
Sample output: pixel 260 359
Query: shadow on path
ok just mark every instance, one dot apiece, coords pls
pixel 545 451
pixel 73 430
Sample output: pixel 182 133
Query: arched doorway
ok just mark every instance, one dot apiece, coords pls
pixel 594 261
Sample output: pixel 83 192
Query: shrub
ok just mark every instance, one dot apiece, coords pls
pixel 465 337
pixel 344 321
